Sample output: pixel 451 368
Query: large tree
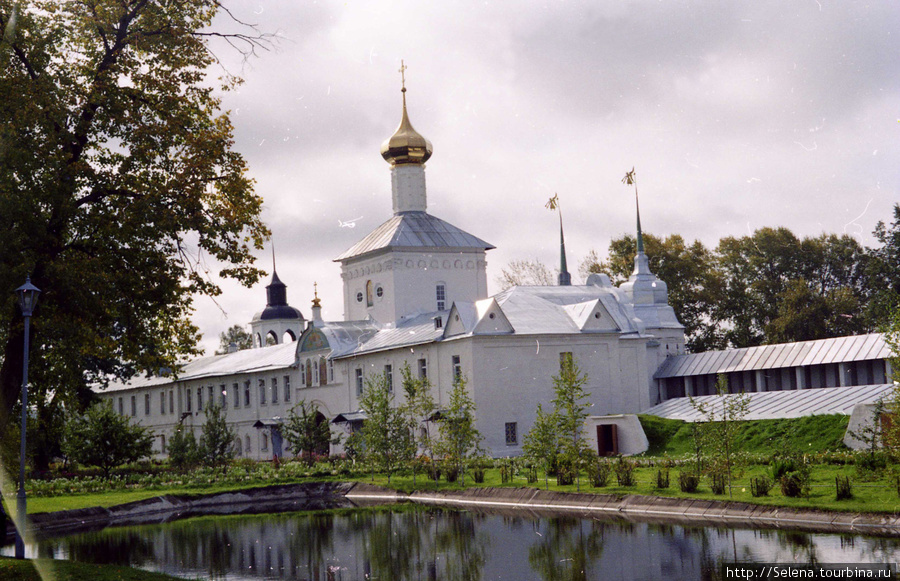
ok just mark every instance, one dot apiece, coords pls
pixel 119 187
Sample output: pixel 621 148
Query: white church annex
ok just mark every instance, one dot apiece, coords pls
pixel 415 293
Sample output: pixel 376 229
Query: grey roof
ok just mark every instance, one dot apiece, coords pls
pixel 822 351
pixel 357 416
pixel 548 309
pixel 248 360
pixel 767 405
pixel 345 337
pixel 414 230
pixel 413 331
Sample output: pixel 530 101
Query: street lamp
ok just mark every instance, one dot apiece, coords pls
pixel 28 296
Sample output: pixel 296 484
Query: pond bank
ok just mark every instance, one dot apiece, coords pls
pixel 329 495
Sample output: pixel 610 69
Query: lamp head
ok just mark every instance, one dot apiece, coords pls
pixel 28 296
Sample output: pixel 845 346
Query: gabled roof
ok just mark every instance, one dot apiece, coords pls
pixel 822 351
pixel 414 230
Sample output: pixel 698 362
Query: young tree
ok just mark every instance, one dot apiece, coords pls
pixel 216 446
pixel 236 334
pixel 459 436
pixel 722 421
pixel 525 272
pixel 570 409
pixel 103 438
pixel 183 449
pixel 386 438
pixel 111 128
pixel 541 443
pixel 419 405
pixel 306 432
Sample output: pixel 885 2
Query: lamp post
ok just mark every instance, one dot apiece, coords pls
pixel 28 295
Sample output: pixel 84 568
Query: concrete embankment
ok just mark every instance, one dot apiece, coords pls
pixel 318 496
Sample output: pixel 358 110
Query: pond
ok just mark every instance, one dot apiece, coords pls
pixel 413 542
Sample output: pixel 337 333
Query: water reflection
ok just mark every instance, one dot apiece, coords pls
pixel 451 545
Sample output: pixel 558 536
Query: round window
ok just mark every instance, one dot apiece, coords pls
pixel 379 292
pixel 596 315
pixel 359 297
pixel 491 315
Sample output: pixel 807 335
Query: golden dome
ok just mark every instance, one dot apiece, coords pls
pixel 406 145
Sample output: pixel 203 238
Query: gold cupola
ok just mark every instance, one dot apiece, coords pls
pixel 406 145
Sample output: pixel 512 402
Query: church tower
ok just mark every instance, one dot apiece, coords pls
pixel 414 263
pixel 278 322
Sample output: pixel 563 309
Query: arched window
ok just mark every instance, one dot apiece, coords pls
pixel 323 372
pixel 308 373
pixel 247 444
pixel 162 443
pixel 370 298
pixel 238 447
pixel 265 442
pixel 271 338
pixel 288 337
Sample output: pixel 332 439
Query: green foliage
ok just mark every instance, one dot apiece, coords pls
pixel 307 431
pixel 599 472
pixel 118 185
pixel 718 482
pixel 796 483
pixel 103 438
pixel 184 452
pixel 236 334
pixel 688 481
pixel 419 406
pixel 624 470
pixel 662 478
pixel 541 443
pixel 570 408
pixel 459 437
pixel 842 488
pixel 41 569
pixel 722 420
pixel 386 438
pixel 216 445
pixel 760 486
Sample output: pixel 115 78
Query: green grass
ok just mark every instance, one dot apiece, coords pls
pixel 39 569
pixel 807 434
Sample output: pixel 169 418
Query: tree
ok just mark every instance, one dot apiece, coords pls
pixel 183 448
pixel 216 446
pixel 236 334
pixel 541 443
pixel 419 405
pixel 307 432
pixel 386 438
pixel 119 185
pixel 459 438
pixel 525 273
pixel 883 270
pixel 103 438
pixel 570 409
pixel 695 286
pixel 722 420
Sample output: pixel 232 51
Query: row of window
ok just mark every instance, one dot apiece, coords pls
pixel 421 367
pixel 241 445
pixel 440 291
pixel 313 373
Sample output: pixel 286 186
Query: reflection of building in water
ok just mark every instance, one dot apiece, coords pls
pixel 415 294
pixel 447 545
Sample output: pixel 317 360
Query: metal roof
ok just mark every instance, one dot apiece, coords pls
pixel 768 405
pixel 245 361
pixel 414 230
pixel 822 351
pixel 350 417
pixel 413 331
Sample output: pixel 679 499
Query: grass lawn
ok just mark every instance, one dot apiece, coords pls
pixel 27 570
pixel 876 496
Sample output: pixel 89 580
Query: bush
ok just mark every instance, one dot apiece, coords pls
pixel 452 473
pixel 506 472
pixel 478 474
pixel 781 466
pixel 793 484
pixel 624 472
pixel 870 465
pixel 688 481
pixel 718 482
pixel 760 486
pixel 531 473
pixel 565 474
pixel 599 473
pixel 842 487
pixel 662 478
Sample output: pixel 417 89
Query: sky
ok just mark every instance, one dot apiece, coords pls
pixel 736 116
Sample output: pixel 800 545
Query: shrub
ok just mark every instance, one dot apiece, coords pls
pixel 624 472
pixel 531 473
pixel 662 478
pixel 718 482
pixel 478 474
pixel 452 473
pixel 842 487
pixel 506 472
pixel 794 485
pixel 760 486
pixel 688 481
pixel 565 473
pixel 870 465
pixel 781 466
pixel 599 473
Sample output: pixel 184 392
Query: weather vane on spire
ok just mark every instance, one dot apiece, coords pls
pixel 317 302
pixel 402 72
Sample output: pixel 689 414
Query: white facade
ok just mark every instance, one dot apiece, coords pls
pixel 415 293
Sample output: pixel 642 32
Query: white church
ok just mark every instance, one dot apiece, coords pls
pixel 415 293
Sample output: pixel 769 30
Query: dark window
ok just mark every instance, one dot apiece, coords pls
pixel 162 402
pixel 457 368
pixel 274 390
pixel 171 401
pixel 224 391
pixel 121 407
pixel 146 404
pixel 199 399
pixel 441 295
pixel 247 395
pixel 512 434
pixel 323 372
pixel 359 382
pixel 423 369
pixel 262 392
pixel 187 399
pixel 369 298
pixel 389 377
pixel 133 406
pixel 237 395
pixel 287 388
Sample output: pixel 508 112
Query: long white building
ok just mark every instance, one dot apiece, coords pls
pixel 415 293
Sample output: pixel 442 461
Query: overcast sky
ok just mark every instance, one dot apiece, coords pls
pixel 737 115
